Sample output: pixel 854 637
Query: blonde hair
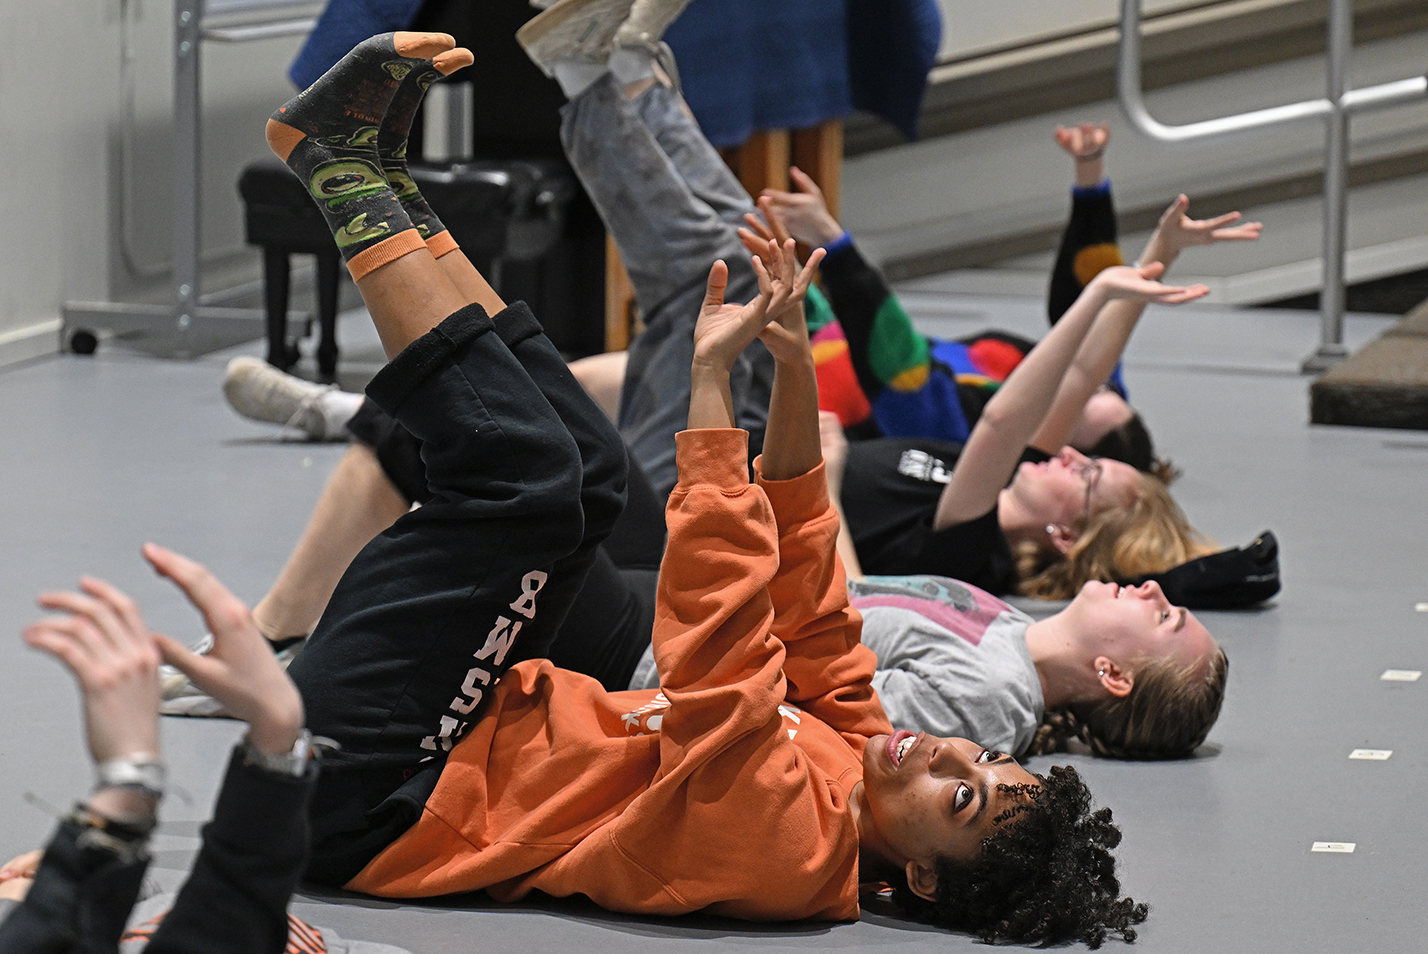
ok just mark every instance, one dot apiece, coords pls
pixel 1167 714
pixel 1119 543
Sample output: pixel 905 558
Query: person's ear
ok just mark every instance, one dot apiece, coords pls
pixel 1114 679
pixel 922 879
pixel 1062 538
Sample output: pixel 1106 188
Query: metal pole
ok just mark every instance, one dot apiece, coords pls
pixel 1335 108
pixel 187 204
pixel 1336 172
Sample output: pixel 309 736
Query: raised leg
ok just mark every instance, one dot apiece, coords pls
pixel 526 478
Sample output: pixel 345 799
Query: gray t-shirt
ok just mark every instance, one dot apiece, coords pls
pixel 952 660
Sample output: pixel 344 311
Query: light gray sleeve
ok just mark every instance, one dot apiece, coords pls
pixel 6 906
pixel 931 680
pixel 646 675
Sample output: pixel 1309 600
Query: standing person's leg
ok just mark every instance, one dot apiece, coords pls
pixel 424 620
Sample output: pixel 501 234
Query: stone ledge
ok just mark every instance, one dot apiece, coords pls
pixel 1384 385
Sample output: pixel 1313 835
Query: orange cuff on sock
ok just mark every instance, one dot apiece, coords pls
pixel 388 250
pixel 441 244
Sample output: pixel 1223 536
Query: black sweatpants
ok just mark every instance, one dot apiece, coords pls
pixel 527 477
pixel 608 627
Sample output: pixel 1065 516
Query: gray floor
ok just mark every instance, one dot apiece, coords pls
pixel 107 452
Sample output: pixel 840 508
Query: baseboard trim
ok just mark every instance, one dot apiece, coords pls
pixel 33 341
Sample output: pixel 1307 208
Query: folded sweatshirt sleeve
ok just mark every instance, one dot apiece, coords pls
pixel 738 819
pixel 720 666
pixel 828 669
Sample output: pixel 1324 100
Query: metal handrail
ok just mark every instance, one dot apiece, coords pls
pixel 1335 109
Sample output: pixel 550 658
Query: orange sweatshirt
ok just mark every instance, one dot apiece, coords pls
pixel 727 789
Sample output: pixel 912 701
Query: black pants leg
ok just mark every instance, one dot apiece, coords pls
pixel 608 627
pixel 527 477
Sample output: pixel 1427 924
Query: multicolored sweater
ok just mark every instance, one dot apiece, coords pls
pixel 881 376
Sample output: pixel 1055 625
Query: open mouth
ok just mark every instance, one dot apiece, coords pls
pixel 899 744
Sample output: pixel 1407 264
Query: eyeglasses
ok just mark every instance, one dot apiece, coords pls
pixel 1091 473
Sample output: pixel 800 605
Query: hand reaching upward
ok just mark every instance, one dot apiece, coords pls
pixel 1130 283
pixel 1084 141
pixel 803 214
pixel 786 333
pixel 1178 231
pixel 725 330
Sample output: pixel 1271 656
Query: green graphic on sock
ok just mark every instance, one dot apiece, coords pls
pixel 392 149
pixel 328 136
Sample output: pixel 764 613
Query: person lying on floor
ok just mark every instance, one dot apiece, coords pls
pixel 952 659
pixel 81 891
pixel 459 772
pixel 884 378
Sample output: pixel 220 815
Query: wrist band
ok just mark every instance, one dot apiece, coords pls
pixel 839 243
pixel 292 763
pixel 126 839
pixel 142 771
pixel 1092 155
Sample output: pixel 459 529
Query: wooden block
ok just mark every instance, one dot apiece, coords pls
pixel 763 161
pixel 621 310
pixel 1384 385
pixel 818 151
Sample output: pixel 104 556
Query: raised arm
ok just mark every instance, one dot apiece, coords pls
pixel 828 671
pixel 1109 335
pixel 1018 408
pixel 883 345
pixel 254 849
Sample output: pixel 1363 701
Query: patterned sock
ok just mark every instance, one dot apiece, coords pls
pixel 392 150
pixel 327 135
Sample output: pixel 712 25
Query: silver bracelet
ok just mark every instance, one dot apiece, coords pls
pixel 292 763
pixel 142 771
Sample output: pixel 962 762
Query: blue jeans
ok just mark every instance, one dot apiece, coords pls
pixel 673 208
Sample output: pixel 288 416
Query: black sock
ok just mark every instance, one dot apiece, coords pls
pixel 327 135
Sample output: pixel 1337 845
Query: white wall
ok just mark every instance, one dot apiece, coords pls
pixel 68 235
pixel 1011 178
pixel 971 26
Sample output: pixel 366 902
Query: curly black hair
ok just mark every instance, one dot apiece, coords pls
pixel 1048 878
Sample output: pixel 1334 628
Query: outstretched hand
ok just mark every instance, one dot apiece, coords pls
pixel 786 333
pixel 101 638
pixel 240 670
pixel 758 231
pixel 1178 231
pixel 1084 140
pixel 803 214
pixel 725 330
pixel 1133 283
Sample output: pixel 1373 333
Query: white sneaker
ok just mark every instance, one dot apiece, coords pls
pixel 573 30
pixel 647 22
pixel 180 697
pixel 260 392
